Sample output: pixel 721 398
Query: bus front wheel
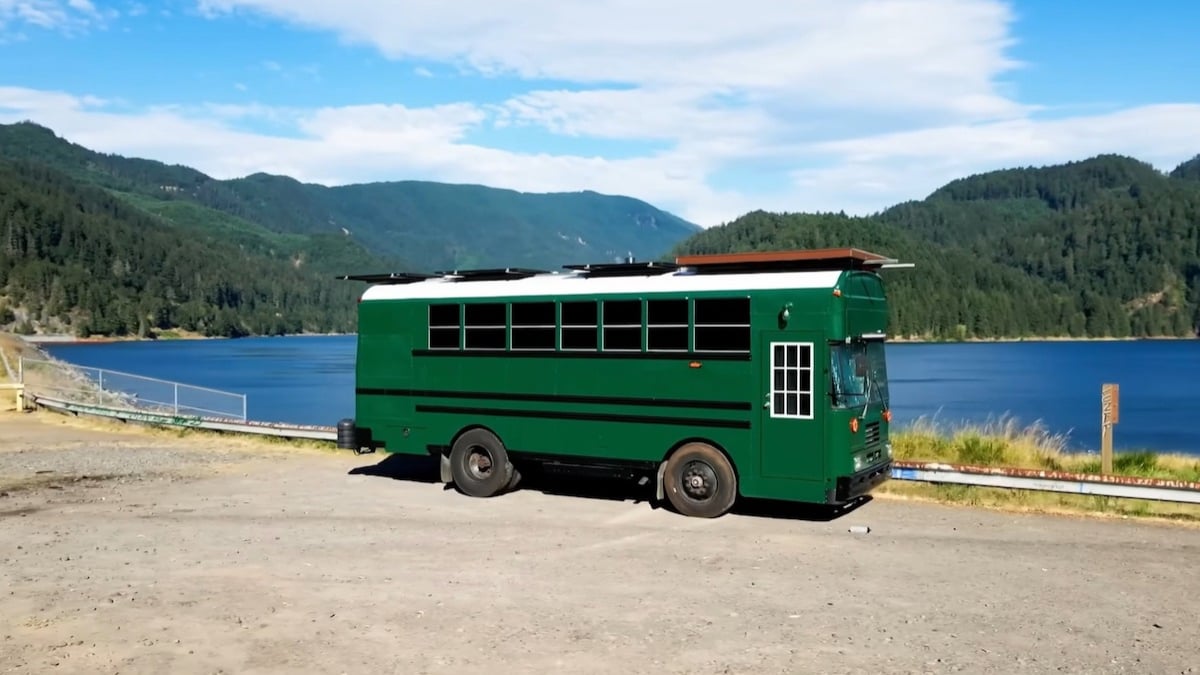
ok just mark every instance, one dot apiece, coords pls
pixel 700 481
pixel 479 464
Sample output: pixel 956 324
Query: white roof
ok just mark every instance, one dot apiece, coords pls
pixel 578 284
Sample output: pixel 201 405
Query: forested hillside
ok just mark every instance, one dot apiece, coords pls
pixel 102 244
pixel 74 258
pixel 1106 247
pixel 435 225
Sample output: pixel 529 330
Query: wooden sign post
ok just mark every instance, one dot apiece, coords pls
pixel 1109 415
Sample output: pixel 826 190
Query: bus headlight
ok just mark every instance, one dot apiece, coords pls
pixel 858 462
pixel 888 447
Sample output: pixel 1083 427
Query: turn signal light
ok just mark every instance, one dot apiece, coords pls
pixel 887 416
pixel 854 425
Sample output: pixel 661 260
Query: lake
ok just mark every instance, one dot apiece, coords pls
pixel 310 380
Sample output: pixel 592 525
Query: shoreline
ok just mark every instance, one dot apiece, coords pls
pixel 60 339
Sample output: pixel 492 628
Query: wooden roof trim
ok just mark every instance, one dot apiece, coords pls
pixel 797 255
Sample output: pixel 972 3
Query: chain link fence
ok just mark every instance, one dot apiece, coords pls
pixel 115 389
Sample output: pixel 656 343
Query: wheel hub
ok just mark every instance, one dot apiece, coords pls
pixel 699 481
pixel 479 462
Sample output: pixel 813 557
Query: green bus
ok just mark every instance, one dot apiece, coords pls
pixel 756 375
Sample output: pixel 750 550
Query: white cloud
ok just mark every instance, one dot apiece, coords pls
pixel 757 82
pixel 379 142
pixel 938 54
pixel 853 105
pixel 339 145
pixel 865 174
pixel 70 16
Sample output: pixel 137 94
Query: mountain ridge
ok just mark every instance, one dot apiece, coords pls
pixel 393 218
pixel 1101 247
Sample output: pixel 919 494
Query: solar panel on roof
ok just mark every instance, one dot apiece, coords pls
pixel 493 274
pixel 622 269
pixel 387 277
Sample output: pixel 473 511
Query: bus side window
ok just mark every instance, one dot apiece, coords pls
pixel 667 325
pixel 579 325
pixel 622 325
pixel 486 325
pixel 444 326
pixel 722 325
pixel 533 325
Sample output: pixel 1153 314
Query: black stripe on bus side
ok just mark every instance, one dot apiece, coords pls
pixel 547 354
pixel 559 398
pixel 591 417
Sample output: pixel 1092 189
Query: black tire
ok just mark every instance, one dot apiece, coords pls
pixel 699 481
pixel 479 464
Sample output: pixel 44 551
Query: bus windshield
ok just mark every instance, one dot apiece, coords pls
pixel 859 371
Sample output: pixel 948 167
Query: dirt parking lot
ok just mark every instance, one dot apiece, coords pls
pixel 125 551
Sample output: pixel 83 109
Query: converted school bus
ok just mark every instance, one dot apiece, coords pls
pixel 759 375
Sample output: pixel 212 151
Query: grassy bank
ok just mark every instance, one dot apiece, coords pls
pixel 1005 443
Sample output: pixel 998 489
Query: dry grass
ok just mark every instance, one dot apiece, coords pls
pixel 1005 443
pixel 186 435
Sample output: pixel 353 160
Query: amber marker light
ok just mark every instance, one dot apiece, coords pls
pixel 854 425
pixel 837 292
pixel 887 416
pixel 695 364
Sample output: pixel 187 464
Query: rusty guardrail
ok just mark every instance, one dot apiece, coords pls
pixel 1105 485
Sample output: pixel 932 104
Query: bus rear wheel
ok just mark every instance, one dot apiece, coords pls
pixel 700 481
pixel 479 464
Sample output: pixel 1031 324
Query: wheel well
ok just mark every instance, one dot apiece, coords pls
pixel 707 441
pixel 696 439
pixel 470 427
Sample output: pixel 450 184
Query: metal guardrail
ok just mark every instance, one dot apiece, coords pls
pixel 1103 485
pixel 1128 487
pixel 319 433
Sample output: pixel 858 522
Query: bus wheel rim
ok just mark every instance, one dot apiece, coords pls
pixel 699 481
pixel 479 462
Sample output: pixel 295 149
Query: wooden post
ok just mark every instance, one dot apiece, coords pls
pixel 1109 415
pixel 19 390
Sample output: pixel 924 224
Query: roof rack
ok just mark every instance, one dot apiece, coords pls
pixel 387 277
pixel 492 274
pixel 622 269
pixel 783 261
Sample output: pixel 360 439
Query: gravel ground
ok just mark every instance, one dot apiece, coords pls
pixel 209 555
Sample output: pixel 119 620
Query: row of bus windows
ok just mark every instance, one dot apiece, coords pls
pixel 711 324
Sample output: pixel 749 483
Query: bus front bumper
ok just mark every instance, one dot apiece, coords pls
pixel 856 485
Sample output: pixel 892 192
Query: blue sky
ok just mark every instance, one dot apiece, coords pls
pixel 706 109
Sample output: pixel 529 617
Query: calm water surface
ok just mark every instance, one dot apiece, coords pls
pixel 310 380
